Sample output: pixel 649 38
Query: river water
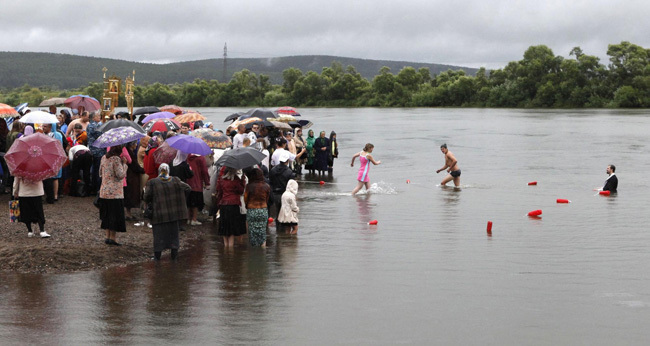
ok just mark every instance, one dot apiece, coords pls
pixel 428 273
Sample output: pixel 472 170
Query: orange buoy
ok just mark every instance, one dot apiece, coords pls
pixel 489 227
pixel 373 222
pixel 408 181
pixel 537 212
pixel 604 193
pixel 322 182
pixel 270 220
pixel 532 183
pixel 562 200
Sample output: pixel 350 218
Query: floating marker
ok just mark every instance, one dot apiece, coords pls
pixel 322 182
pixel 561 200
pixel 604 193
pixel 270 220
pixel 373 222
pixel 489 228
pixel 537 212
pixel 408 181
pixel 532 183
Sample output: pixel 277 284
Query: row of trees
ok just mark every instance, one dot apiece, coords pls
pixel 540 79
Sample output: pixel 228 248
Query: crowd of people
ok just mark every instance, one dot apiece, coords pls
pixel 129 184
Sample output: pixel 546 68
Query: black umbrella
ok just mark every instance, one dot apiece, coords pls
pixel 240 158
pixel 146 110
pixel 294 124
pixel 266 123
pixel 120 123
pixel 234 116
pixel 261 113
pixel 305 123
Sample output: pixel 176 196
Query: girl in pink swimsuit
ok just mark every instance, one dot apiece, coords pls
pixel 365 158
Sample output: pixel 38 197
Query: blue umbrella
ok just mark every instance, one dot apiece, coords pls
pixel 189 144
pixel 118 136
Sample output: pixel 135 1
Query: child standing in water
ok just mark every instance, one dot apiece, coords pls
pixel 365 158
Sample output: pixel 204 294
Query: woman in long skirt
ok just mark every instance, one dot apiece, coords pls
pixel 256 196
pixel 112 170
pixel 30 202
pixel 232 222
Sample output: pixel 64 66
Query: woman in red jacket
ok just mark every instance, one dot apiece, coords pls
pixel 232 222
pixel 197 182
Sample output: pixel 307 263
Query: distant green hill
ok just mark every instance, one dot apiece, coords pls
pixel 66 71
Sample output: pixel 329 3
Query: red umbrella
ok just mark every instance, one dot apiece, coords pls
pixel 162 125
pixel 288 111
pixel 35 157
pixel 6 111
pixel 164 153
pixel 88 103
pixel 172 109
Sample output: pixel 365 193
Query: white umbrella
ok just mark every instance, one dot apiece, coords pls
pixel 39 117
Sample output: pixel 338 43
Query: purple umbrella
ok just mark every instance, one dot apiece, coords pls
pixel 189 144
pixel 159 115
pixel 117 136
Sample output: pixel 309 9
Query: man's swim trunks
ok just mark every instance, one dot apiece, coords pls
pixel 455 174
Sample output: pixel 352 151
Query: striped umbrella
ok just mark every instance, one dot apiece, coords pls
pixel 288 111
pixel 7 111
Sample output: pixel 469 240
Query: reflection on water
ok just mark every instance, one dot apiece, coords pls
pixel 424 272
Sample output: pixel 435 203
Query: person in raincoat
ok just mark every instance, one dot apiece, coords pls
pixel 288 216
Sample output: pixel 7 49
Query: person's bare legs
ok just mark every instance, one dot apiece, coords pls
pixel 457 181
pixel 447 179
pixel 294 229
pixel 359 186
pixel 55 187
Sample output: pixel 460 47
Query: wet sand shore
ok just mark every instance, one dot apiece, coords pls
pixel 77 241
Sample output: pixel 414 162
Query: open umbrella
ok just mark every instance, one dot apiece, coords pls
pixel 164 154
pixel 288 111
pixel 240 158
pixel 305 124
pixel 172 109
pixel 120 123
pixel 189 144
pixel 261 113
pixel 280 125
pixel 245 121
pixel 35 157
pixel 39 117
pixel 88 103
pixel 284 118
pixel 234 116
pixel 213 139
pixel 189 118
pixel 117 136
pixel 6 111
pixel 162 125
pixel 54 101
pixel 146 110
pixel 159 115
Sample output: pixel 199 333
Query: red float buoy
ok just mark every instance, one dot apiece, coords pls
pixel 489 227
pixel 532 183
pixel 537 212
pixel 373 222
pixel 408 181
pixel 562 200
pixel 604 193
pixel 322 182
pixel 270 220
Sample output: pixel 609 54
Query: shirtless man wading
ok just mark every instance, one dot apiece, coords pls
pixel 451 164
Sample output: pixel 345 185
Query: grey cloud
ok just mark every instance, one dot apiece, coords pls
pixel 472 33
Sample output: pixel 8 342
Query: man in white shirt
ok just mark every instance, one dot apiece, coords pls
pixel 281 152
pixel 238 140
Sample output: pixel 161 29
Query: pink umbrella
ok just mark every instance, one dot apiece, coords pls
pixel 88 103
pixel 35 157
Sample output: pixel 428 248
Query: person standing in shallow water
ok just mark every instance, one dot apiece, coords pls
pixel 611 184
pixel 322 147
pixel 451 165
pixel 333 152
pixel 365 158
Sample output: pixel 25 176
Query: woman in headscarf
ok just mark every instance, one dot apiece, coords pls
pixel 142 149
pixel 111 194
pixel 322 147
pixel 310 151
pixel 198 181
pixel 333 152
pixel 180 168
pixel 132 188
pixel 167 196
pixel 232 223
pixel 150 165
pixel 256 196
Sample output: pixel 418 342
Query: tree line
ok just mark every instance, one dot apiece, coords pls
pixel 539 80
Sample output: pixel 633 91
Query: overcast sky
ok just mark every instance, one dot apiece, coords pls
pixel 468 33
